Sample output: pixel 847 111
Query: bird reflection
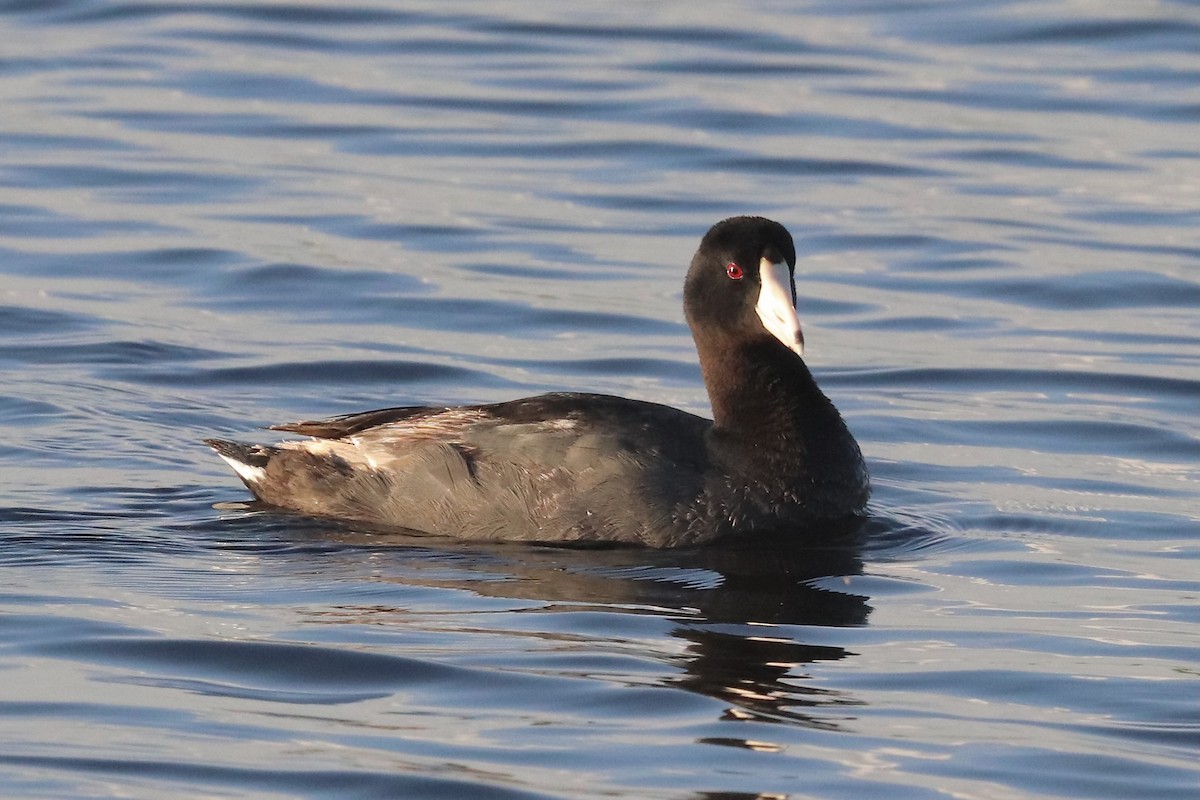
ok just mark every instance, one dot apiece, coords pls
pixel 745 650
pixel 741 611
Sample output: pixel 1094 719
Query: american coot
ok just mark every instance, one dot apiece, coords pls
pixel 593 469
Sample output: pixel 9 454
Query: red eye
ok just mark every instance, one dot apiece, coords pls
pixel 734 271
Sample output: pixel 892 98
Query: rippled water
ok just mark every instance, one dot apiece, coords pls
pixel 216 216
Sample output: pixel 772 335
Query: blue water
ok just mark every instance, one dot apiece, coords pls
pixel 219 216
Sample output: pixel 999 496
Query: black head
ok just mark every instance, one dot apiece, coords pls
pixel 740 284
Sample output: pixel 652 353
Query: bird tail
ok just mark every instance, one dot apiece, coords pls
pixel 249 461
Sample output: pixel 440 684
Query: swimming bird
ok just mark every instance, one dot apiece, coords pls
pixel 577 468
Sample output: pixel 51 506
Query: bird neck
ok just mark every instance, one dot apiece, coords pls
pixel 763 392
pixel 774 430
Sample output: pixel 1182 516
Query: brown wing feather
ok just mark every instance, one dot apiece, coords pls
pixel 350 424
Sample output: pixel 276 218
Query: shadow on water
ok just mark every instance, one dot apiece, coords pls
pixel 742 611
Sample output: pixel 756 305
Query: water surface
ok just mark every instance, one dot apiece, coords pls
pixel 215 217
